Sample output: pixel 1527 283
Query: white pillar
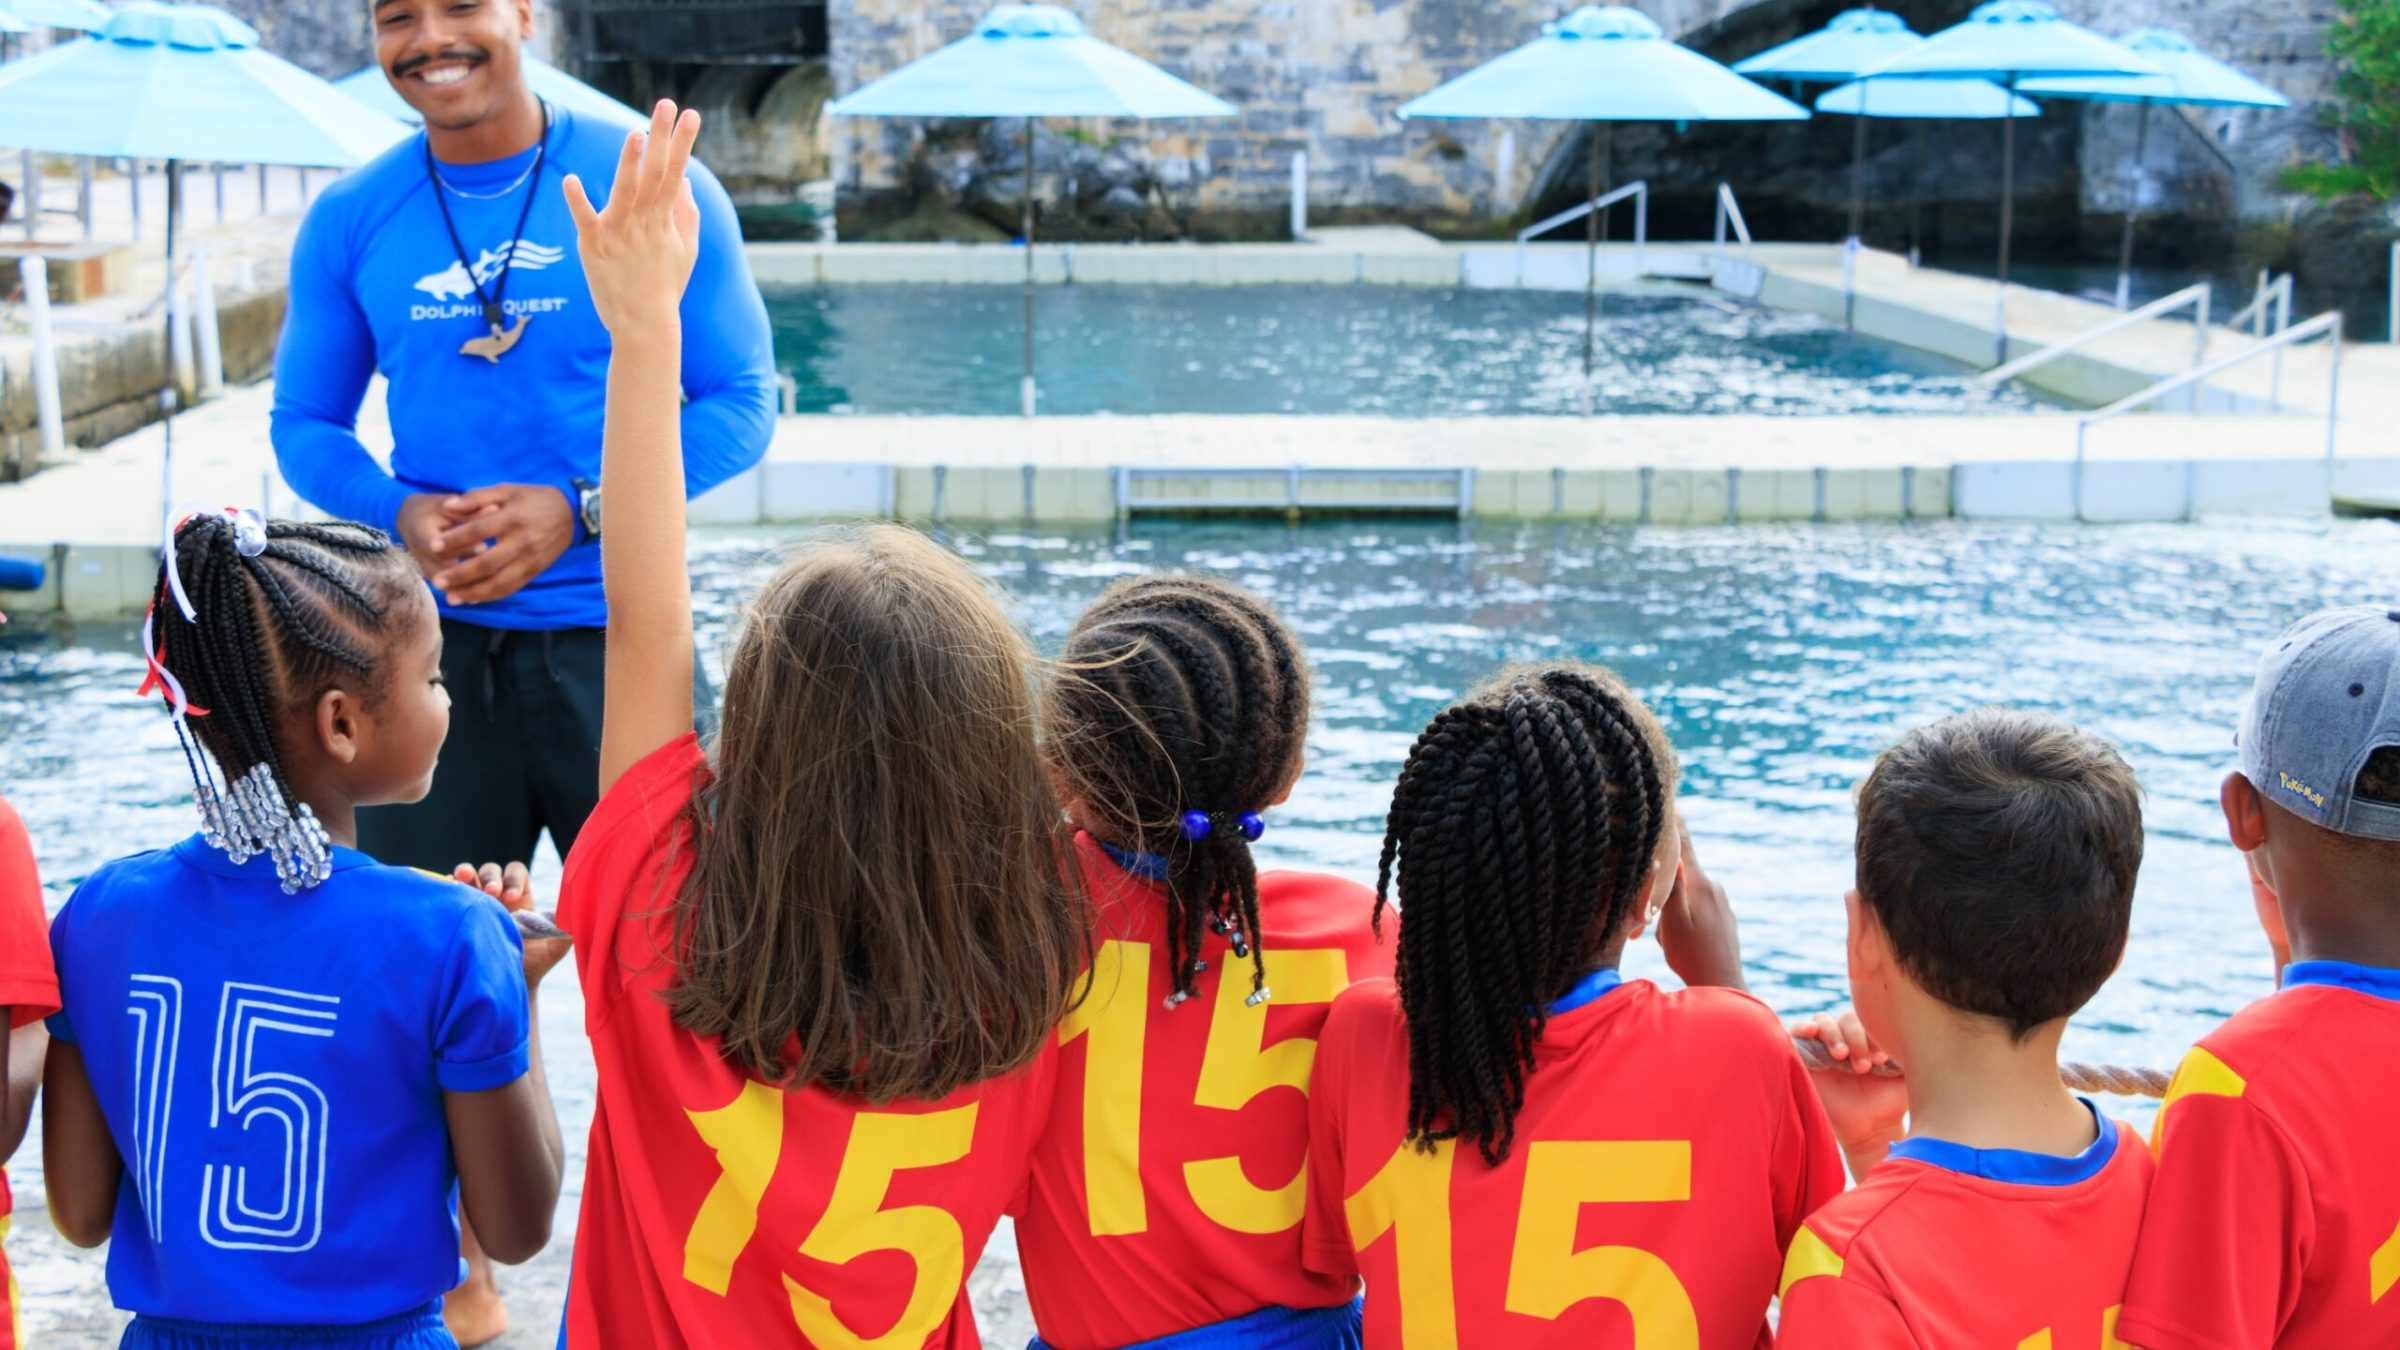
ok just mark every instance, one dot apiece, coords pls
pixel 179 336
pixel 1299 194
pixel 34 273
pixel 212 353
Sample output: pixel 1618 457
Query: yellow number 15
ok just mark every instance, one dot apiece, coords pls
pixel 1410 1200
pixel 747 1135
pixel 1236 1066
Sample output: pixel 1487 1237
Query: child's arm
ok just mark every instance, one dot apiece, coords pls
pixel 81 1168
pixel 510 1155
pixel 637 255
pixel 21 1067
pixel 1696 929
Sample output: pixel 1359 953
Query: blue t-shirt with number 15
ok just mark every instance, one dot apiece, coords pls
pixel 272 1067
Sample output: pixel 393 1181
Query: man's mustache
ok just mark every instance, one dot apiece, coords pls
pixel 408 66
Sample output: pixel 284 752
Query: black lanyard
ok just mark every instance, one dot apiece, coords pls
pixel 491 300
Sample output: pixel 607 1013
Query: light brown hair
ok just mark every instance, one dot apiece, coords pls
pixel 878 903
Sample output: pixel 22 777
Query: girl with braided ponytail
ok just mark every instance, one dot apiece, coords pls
pixel 1516 1147
pixel 284 1072
pixel 1166 1198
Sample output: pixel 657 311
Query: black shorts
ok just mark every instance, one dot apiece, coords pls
pixel 523 754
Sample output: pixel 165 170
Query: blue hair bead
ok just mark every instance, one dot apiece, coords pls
pixel 1195 825
pixel 1252 826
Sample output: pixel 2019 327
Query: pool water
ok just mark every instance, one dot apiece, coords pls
pixel 1781 658
pixel 1390 351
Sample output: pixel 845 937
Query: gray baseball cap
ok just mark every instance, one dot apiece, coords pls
pixel 2327 697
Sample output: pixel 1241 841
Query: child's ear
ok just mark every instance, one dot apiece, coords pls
pixel 2245 813
pixel 339 725
pixel 1868 948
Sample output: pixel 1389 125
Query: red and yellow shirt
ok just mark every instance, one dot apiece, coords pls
pixel 719 1211
pixel 2275 1219
pixel 1944 1245
pixel 1669 1145
pixel 1167 1193
pixel 28 988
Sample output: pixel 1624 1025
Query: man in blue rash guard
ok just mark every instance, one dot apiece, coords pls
pixel 449 266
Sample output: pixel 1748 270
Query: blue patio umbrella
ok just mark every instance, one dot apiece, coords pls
pixel 84 16
pixel 178 82
pixel 374 88
pixel 1854 40
pixel 10 24
pixel 2008 42
pixel 2189 78
pixel 1603 64
pixel 1030 61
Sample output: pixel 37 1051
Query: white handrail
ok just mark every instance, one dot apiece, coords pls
pixel 1639 190
pixel 2392 315
pixel 1730 211
pixel 2195 296
pixel 2326 323
pixel 2274 296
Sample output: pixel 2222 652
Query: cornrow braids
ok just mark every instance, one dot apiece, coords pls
pixel 1183 695
pixel 274 622
pixel 1520 839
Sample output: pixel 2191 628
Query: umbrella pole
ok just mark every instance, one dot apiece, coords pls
pixel 1858 210
pixel 2133 208
pixel 1025 389
pixel 1591 260
pixel 1916 203
pixel 172 394
pixel 2008 202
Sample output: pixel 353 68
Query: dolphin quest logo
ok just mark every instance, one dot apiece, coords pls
pixel 457 281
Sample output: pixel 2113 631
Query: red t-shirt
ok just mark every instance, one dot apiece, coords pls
pixel 1946 1246
pixel 1167 1192
pixel 1669 1145
pixel 28 985
pixel 2275 1219
pixel 721 1212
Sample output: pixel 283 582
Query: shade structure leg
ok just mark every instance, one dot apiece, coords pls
pixel 1025 387
pixel 2008 203
pixel 1916 203
pixel 2133 208
pixel 1858 211
pixel 171 395
pixel 1591 259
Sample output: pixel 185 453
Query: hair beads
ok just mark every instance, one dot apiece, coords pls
pixel 1181 714
pixel 250 618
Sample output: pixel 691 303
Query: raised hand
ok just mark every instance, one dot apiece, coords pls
pixel 639 250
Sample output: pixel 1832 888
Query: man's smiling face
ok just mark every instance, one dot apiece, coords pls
pixel 455 61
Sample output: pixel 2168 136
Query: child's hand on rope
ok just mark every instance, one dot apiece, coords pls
pixel 1869 1110
pixel 638 251
pixel 546 944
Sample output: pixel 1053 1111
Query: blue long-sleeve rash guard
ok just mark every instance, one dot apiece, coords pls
pixel 377 286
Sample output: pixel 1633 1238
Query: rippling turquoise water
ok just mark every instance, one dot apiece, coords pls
pixel 1781 658
pixel 1388 350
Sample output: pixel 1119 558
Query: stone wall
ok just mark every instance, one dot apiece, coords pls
pixel 1325 75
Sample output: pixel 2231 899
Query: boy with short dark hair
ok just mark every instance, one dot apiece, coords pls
pixel 2275 1219
pixel 1996 861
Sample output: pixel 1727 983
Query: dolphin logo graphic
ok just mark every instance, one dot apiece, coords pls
pixel 457 281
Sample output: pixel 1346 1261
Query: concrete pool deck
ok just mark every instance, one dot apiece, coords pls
pixel 95 516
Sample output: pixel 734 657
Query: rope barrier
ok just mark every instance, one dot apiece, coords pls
pixel 2118 1080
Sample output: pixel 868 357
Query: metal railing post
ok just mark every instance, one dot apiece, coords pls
pixel 1641 231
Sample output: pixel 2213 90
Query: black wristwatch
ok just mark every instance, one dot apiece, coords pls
pixel 587 506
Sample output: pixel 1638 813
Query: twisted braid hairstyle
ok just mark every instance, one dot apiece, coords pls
pixel 1178 694
pixel 1520 840
pixel 270 633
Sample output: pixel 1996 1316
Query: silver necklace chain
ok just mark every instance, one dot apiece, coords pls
pixel 508 191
